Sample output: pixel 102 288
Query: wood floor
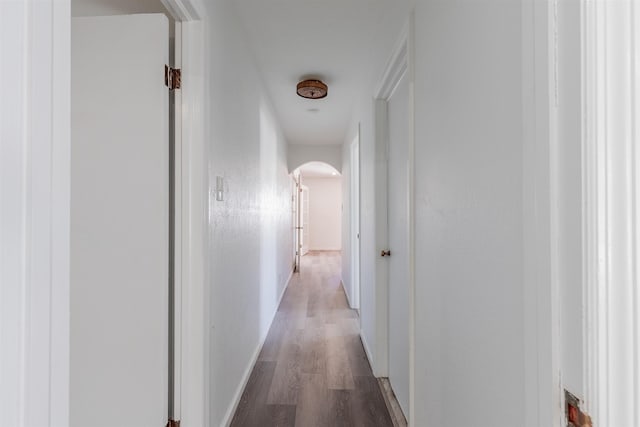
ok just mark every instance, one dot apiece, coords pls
pixel 313 371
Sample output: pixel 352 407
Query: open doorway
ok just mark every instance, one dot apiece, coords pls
pixel 319 213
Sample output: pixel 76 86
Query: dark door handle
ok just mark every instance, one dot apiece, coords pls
pixel 385 253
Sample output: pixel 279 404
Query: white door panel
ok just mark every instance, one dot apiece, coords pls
pixel 355 222
pixel 398 219
pixel 305 220
pixel 119 221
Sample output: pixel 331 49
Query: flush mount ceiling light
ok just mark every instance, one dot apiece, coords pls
pixel 312 89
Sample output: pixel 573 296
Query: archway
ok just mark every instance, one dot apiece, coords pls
pixel 318 202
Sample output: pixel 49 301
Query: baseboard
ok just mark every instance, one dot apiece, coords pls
pixel 397 416
pixel 346 293
pixel 228 417
pixel 366 349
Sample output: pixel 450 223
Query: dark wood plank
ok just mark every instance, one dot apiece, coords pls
pixel 274 339
pixel 340 408
pixel 251 408
pixel 338 370
pixel 285 385
pixel 313 403
pixel 279 416
pixel 358 361
pixel 314 359
pixel 368 406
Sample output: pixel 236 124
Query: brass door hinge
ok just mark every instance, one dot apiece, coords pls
pixel 172 77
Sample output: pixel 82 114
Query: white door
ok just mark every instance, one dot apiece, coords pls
pixel 119 221
pixel 355 222
pixel 398 218
pixel 295 199
pixel 305 220
pixel 299 222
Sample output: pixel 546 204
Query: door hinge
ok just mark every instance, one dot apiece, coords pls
pixel 173 423
pixel 172 77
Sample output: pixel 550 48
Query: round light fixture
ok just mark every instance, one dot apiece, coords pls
pixel 312 89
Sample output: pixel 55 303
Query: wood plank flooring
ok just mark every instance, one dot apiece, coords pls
pixel 312 370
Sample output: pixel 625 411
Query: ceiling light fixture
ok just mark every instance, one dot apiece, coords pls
pixel 312 89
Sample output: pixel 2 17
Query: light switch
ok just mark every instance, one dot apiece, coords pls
pixel 219 188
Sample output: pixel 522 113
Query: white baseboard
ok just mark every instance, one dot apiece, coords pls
pixel 367 350
pixel 346 293
pixel 228 417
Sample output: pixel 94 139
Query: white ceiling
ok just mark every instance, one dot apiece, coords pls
pixel 318 170
pixel 339 41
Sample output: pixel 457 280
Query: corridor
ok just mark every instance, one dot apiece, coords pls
pixel 312 370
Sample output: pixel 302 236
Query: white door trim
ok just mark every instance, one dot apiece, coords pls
pixel 399 64
pixel 354 219
pixel 34 212
pixel 611 189
pixel 191 310
pixel 304 206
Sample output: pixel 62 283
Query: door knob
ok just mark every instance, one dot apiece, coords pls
pixel 385 253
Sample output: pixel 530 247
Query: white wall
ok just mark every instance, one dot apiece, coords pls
pixel 468 210
pixel 299 154
pixel 120 7
pixel 325 213
pixel 249 239
pixel 469 213
pixel 115 7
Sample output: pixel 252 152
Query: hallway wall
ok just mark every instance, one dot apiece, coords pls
pixel 249 240
pixel 468 212
pixel 299 154
pixel 116 7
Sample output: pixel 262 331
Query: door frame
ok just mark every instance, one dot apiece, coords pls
pixel 400 62
pixel 39 295
pixel 190 304
pixel 304 200
pixel 294 221
pixel 35 212
pixel 540 237
pixel 611 190
pixel 354 219
pixel 298 220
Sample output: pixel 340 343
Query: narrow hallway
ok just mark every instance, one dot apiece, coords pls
pixel 312 370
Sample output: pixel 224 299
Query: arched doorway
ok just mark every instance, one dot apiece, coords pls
pixel 318 201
